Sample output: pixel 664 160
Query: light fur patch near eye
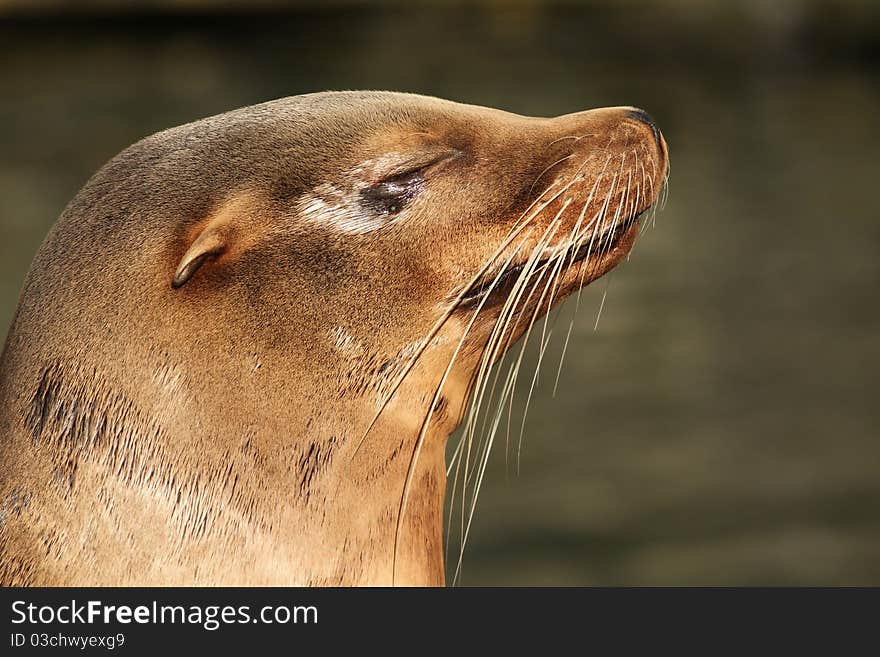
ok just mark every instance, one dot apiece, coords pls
pixel 339 206
pixel 328 206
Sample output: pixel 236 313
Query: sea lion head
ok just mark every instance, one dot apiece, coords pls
pixel 364 220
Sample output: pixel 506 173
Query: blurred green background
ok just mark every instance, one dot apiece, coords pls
pixel 721 425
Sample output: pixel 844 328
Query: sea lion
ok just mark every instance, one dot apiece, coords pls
pixel 240 350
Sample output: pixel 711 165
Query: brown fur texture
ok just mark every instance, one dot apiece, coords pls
pixel 214 431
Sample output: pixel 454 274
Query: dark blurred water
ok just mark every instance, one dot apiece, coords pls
pixel 721 425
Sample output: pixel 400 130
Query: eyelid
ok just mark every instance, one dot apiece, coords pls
pixel 417 164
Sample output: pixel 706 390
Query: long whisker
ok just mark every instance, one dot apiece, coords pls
pixel 633 189
pixel 424 428
pixel 438 325
pixel 553 267
pixel 576 238
pixel 489 355
pixel 466 441
pixel 498 332
pixel 503 321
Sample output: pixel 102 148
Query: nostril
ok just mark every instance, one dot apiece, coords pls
pixel 644 117
pixel 641 115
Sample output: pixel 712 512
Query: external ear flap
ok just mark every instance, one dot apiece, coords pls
pixel 207 246
pixel 231 228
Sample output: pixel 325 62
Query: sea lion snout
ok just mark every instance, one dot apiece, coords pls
pixel 643 117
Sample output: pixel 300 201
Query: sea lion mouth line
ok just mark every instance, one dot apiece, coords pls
pixel 493 285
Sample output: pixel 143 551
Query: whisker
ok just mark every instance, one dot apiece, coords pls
pixel 446 315
pixel 602 303
pixel 632 189
pixel 556 163
pixel 490 353
pixel 424 428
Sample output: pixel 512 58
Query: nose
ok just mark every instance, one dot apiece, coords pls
pixel 643 117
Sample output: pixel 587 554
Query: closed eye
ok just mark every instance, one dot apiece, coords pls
pixel 390 196
pixel 392 193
